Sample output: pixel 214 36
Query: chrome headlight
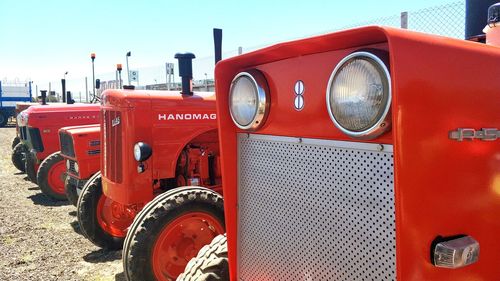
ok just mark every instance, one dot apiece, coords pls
pixel 142 151
pixel 22 118
pixel 76 167
pixel 249 100
pixel 359 95
pixel 68 165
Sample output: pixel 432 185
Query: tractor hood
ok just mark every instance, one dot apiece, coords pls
pixel 164 99
pixel 62 114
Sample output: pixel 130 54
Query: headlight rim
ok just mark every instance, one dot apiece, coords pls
pixel 263 99
pixel 384 122
pixel 145 151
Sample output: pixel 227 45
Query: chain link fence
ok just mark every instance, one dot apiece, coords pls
pixel 446 20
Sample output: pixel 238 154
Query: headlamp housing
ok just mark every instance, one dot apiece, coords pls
pixel 359 96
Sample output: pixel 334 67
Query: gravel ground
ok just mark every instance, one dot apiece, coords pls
pixel 39 238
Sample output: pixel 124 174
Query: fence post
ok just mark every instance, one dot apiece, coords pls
pixel 404 20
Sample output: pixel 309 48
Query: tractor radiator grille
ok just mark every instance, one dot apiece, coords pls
pixel 35 138
pixel 23 133
pixel 112 156
pixel 66 142
pixel 312 209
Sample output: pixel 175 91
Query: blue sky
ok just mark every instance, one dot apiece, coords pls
pixel 40 40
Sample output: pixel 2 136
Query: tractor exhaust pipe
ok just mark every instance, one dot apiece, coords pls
pixel 186 71
pixel 69 99
pixel 43 93
pixel 476 12
pixel 218 44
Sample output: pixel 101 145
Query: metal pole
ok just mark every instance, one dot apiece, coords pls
pixel 36 92
pixel 240 50
pixel 49 88
pixel 128 71
pixel 92 56
pixel 86 91
pixel 166 76
pixel 404 20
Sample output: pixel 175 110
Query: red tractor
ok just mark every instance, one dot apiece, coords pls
pixel 39 126
pixel 365 154
pixel 81 151
pixel 158 147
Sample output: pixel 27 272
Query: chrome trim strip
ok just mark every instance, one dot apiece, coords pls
pixel 380 147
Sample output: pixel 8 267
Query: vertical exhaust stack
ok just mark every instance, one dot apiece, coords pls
pixel 476 19
pixel 218 44
pixel 63 84
pixel 69 98
pixel 43 93
pixel 492 30
pixel 186 71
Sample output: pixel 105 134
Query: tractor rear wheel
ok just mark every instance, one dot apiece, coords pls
pixel 19 156
pixel 51 176
pixel 169 231
pixel 31 167
pixel 210 264
pixel 103 221
pixel 15 141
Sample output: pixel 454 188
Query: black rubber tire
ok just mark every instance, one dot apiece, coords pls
pixel 87 216
pixel 70 188
pixel 19 157
pixel 30 167
pixel 42 176
pixel 210 264
pixel 15 141
pixel 151 220
pixel 3 119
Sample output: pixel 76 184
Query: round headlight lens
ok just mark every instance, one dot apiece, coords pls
pixel 359 95
pixel 68 165
pixel 248 100
pixel 137 152
pixel 142 151
pixel 76 167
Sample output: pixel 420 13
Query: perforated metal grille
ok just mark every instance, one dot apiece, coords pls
pixel 315 211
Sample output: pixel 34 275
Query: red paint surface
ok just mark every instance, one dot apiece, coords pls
pixel 442 187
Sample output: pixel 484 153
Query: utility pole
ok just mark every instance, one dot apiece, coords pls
pixel 92 56
pixel 86 90
pixel 128 71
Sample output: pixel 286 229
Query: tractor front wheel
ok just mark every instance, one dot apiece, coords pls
pixel 169 231
pixel 19 157
pixel 51 176
pixel 103 221
pixel 210 263
pixel 31 167
pixel 15 141
pixel 71 186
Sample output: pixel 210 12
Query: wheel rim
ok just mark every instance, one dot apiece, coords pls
pixel 57 174
pixel 113 217
pixel 179 241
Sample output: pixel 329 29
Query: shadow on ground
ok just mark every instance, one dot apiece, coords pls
pixel 102 255
pixel 42 199
pixel 76 227
pixel 120 277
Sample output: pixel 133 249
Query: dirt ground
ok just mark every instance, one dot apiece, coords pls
pixel 39 238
